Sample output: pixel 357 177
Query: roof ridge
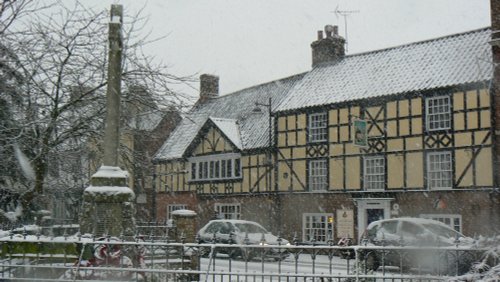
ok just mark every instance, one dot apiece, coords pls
pixel 417 42
pixel 259 85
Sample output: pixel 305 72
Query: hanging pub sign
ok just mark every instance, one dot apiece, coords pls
pixel 360 133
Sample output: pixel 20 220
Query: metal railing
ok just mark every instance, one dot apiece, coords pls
pixel 81 258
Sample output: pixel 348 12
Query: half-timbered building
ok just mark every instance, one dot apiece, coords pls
pixel 403 131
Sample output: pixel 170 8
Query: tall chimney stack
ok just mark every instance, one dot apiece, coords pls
pixel 209 87
pixel 328 49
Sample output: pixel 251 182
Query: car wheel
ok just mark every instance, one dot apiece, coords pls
pixel 235 253
pixel 204 252
pixel 247 255
pixel 371 261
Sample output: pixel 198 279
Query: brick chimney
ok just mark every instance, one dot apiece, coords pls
pixel 209 87
pixel 329 48
pixel 495 47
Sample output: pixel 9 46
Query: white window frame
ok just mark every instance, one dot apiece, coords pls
pixel 174 207
pixel 374 173
pixel 228 211
pixel 318 127
pixel 318 175
pixel 438 113
pixel 438 176
pixel 318 226
pixel 211 167
pixel 452 220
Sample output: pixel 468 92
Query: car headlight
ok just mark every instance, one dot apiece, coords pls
pixel 263 243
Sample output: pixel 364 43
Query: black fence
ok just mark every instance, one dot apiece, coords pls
pixel 81 258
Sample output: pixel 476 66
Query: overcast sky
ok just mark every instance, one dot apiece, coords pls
pixel 248 42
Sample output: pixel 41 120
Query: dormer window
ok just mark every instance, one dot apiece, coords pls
pixel 317 127
pixel 438 113
pixel 215 167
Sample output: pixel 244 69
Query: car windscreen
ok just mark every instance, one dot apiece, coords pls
pixel 250 228
pixel 442 231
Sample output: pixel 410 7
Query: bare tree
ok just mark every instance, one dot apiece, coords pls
pixel 60 56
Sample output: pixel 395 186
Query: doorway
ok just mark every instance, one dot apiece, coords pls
pixel 370 210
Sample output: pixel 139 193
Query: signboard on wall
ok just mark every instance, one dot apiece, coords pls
pixel 360 133
pixel 345 223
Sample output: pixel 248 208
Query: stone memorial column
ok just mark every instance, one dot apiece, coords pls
pixel 108 203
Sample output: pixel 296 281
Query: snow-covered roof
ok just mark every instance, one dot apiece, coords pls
pixel 447 61
pixel 146 121
pixel 442 62
pixel 230 128
pixel 231 113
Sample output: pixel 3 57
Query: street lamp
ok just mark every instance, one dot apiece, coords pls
pixel 269 160
pixel 277 200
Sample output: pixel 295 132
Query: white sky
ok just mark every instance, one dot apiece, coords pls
pixel 248 42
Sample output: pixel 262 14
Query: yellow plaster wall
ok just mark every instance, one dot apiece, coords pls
pixel 343 116
pixel 463 139
pixel 333 131
pixel 336 149
pixel 484 98
pixel 332 117
pixel 344 133
pixel 392 128
pixel 416 126
pixel 395 170
pixel 416 106
pixel 458 101
pixel 291 120
pixel 336 174
pixel 282 123
pixel 355 111
pixel 353 173
pixel 471 99
pixel 413 143
pixel 300 171
pixel 479 137
pixel 472 120
pixel 282 139
pixel 301 138
pixel 284 183
pixel 244 184
pixel 395 145
pixel 299 152
pixel 459 121
pixel 301 121
pixel 292 141
pixel 484 170
pixel 462 159
pixel 404 108
pixel 350 149
pixel 415 167
pixel 404 127
pixel 485 119
pixel 391 109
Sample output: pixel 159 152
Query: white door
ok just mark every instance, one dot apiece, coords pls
pixel 370 210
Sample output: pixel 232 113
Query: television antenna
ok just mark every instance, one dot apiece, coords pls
pixel 344 13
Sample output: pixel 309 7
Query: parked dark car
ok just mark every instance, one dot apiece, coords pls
pixel 242 232
pixel 421 236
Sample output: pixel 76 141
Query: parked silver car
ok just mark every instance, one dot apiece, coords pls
pixel 242 232
pixel 422 236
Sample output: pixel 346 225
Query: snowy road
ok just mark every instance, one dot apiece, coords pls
pixel 304 265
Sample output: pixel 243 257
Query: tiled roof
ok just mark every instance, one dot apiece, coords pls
pixel 447 61
pixel 147 120
pixel 238 106
pixel 230 128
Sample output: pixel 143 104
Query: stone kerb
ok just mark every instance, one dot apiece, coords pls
pixel 186 225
